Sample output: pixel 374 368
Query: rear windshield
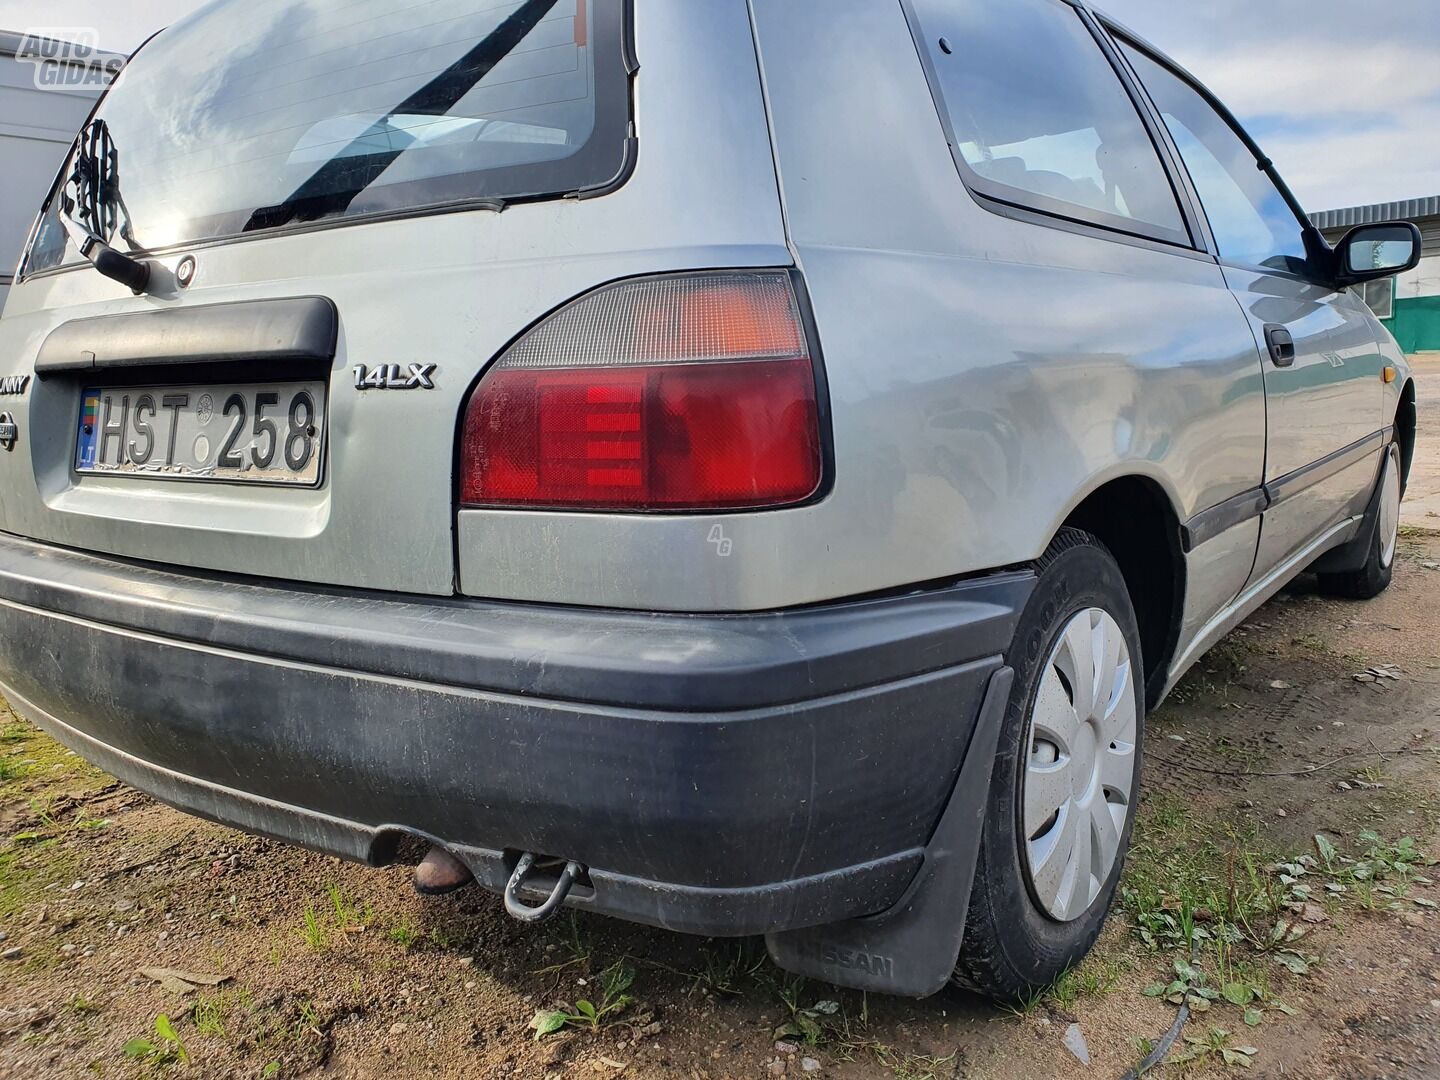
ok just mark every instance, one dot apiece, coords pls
pixel 257 115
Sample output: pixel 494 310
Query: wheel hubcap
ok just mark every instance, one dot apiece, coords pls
pixel 1390 508
pixel 1080 773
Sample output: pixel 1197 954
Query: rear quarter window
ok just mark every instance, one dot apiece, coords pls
pixel 1039 117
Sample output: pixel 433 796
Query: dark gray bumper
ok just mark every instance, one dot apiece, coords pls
pixel 718 774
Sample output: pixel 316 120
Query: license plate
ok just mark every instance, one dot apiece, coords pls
pixel 265 433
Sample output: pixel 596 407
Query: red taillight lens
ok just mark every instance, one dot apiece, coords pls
pixel 680 393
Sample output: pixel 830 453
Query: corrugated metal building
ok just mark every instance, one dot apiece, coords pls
pixel 1409 304
pixel 42 106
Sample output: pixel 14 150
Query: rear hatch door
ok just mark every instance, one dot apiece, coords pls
pixel 375 204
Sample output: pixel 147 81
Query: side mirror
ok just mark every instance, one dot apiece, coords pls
pixel 1369 252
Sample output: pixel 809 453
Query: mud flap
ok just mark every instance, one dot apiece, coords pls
pixel 911 949
pixel 1353 555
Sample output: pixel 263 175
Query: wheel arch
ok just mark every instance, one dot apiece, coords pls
pixel 1406 419
pixel 1134 516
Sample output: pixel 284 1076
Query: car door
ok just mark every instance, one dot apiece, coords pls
pixel 1322 367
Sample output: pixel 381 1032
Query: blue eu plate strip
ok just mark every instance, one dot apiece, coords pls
pixel 89 430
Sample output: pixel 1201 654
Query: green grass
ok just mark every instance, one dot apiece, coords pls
pixel 307 1015
pixel 313 931
pixel 1399 804
pixel 731 967
pixel 1206 894
pixel 286 1033
pixel 341 914
pixel 820 1021
pixel 575 945
pixel 1184 871
pixel 45 759
pixel 905 1066
pixel 1244 757
pixel 1217 673
pixel 292 1032
pixel 53 759
pixel 347 911
pixel 1098 974
pixel 444 938
pixel 404 932
pixel 1227 908
pixel 26 871
pixel 209 1014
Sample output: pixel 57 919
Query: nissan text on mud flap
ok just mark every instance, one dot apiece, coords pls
pixel 676 463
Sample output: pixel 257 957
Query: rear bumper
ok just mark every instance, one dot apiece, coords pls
pixel 717 774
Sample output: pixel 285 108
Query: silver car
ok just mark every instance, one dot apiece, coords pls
pixel 726 466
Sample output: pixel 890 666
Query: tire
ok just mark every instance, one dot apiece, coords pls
pixel 1374 577
pixel 1023 931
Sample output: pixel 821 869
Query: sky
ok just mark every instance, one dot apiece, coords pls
pixel 1344 95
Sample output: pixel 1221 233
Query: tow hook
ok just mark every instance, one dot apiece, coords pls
pixel 524 912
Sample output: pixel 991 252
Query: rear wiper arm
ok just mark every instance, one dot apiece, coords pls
pixel 92 214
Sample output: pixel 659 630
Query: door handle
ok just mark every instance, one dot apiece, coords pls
pixel 1281 345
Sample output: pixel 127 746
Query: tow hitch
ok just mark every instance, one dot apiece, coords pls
pixel 523 870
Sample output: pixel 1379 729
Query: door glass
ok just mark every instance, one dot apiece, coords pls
pixel 1252 222
pixel 1041 118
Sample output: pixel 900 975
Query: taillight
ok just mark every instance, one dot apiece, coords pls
pixel 685 392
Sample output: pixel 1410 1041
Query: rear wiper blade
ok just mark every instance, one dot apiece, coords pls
pixel 91 215
pixel 339 181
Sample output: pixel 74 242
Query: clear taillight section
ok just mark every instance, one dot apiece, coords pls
pixel 685 392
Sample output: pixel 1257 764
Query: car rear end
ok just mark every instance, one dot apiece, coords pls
pixel 215 162
pixel 466 470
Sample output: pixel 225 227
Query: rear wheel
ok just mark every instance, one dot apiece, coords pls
pixel 1374 577
pixel 1066 777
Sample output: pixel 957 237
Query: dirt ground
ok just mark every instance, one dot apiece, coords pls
pixel 1322 956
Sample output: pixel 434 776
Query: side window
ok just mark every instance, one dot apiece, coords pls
pixel 1040 118
pixel 1252 222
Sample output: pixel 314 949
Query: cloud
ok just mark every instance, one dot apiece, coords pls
pixel 1396 158
pixel 1326 79
pixel 1344 96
